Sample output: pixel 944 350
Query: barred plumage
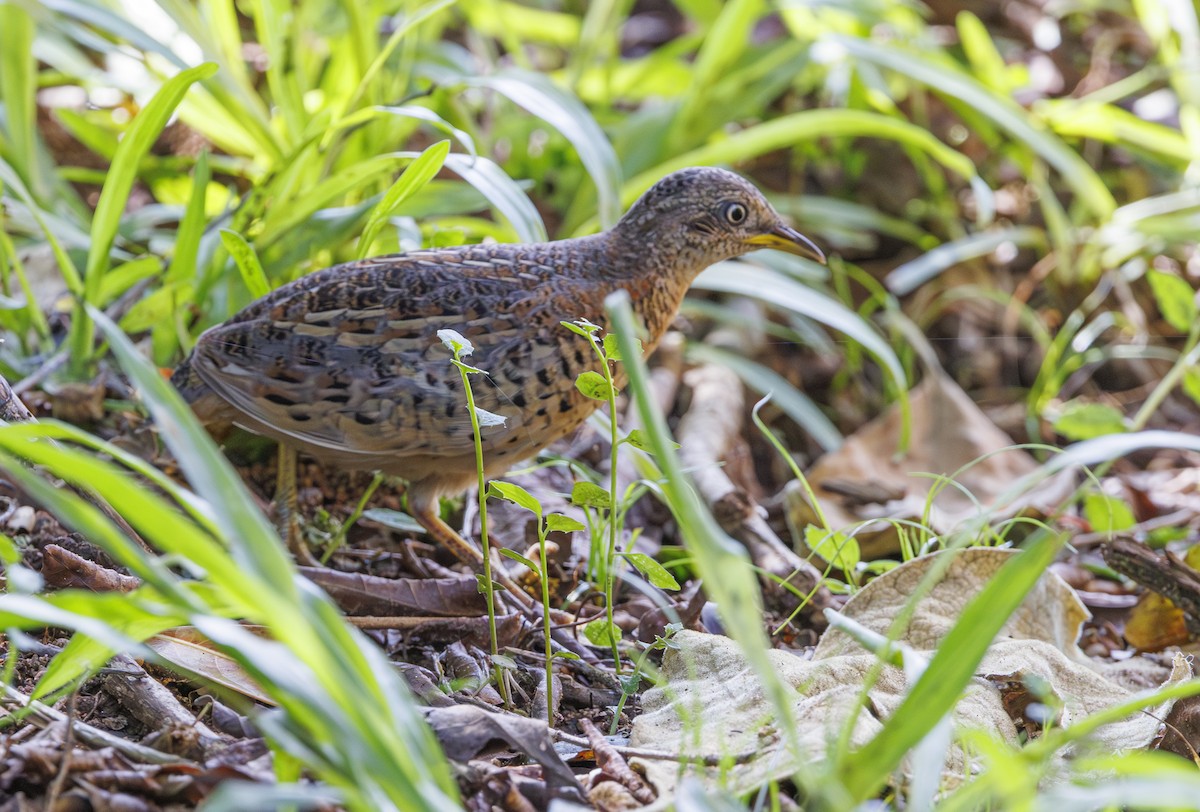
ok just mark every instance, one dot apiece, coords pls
pixel 346 364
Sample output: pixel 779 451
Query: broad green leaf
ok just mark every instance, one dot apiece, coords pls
pixel 1083 420
pixel 838 549
pixel 246 259
pixel 611 350
pixel 594 385
pixel 602 633
pixel 1107 514
pixel 586 494
pixel 655 573
pixel 515 494
pixel 563 524
pixel 1175 298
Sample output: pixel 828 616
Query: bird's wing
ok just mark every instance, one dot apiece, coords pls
pixel 348 359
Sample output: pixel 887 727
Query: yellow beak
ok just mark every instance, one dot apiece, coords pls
pixel 786 238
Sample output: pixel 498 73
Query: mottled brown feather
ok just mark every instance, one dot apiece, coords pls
pixel 346 364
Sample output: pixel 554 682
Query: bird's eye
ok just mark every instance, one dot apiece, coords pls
pixel 734 213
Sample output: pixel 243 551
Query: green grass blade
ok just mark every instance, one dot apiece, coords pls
pixel 1076 173
pixel 502 192
pixel 906 278
pixel 777 290
pixel 246 259
pixel 191 227
pixel 413 179
pixel 565 113
pixel 142 133
pixel 766 381
pixel 18 79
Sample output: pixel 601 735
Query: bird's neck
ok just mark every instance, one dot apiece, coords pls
pixel 656 276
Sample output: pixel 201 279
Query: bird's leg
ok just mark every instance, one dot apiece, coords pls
pixel 286 508
pixel 424 511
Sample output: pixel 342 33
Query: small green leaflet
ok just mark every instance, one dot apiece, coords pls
pixel 563 524
pixel 585 494
pixel 1175 299
pixel 1081 420
pixel 611 351
pixel 594 385
pixel 655 573
pixel 641 441
pixel 1191 383
pixel 1107 514
pixel 601 633
pixel 838 549
pixel 515 556
pixel 515 494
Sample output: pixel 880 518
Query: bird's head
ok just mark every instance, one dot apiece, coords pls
pixel 703 215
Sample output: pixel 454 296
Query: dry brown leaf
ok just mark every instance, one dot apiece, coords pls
pixel 188 649
pixel 1155 623
pixel 360 594
pixel 948 432
pixel 711 703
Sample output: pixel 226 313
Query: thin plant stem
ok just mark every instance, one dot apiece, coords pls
pixel 488 586
pixel 545 579
pixel 1187 360
pixel 339 538
pixel 613 516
